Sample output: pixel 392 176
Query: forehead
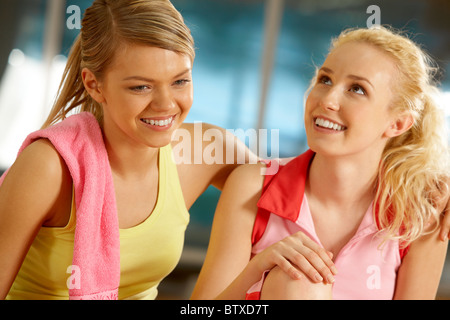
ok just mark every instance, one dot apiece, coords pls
pixel 147 60
pixel 362 59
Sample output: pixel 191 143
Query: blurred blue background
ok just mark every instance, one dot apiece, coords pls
pixel 254 61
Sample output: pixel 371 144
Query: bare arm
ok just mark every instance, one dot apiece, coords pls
pixel 420 272
pixel 230 243
pixel 29 197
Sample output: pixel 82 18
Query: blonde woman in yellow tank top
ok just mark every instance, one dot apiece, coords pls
pixel 131 67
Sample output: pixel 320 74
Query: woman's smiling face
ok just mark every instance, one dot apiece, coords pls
pixel 347 110
pixel 146 94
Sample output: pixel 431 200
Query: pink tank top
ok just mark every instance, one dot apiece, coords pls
pixel 365 270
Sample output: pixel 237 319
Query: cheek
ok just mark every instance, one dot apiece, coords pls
pixel 185 100
pixel 113 97
pixel 125 106
pixel 310 102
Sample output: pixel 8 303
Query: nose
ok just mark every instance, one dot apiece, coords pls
pixel 330 99
pixel 162 100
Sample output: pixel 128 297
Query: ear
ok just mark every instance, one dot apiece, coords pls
pixel 400 125
pixel 92 85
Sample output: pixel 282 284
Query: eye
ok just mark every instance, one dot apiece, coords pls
pixel 358 89
pixel 181 82
pixel 141 88
pixel 324 80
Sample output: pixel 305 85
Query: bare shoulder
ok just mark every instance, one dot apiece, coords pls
pixel 248 176
pixel 38 179
pixel 42 160
pixel 244 184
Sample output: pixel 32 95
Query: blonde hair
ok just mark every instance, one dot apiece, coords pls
pixel 414 167
pixel 107 25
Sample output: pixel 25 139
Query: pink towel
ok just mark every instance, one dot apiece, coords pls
pixel 96 253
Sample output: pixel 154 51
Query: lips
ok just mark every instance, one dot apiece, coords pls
pixel 329 124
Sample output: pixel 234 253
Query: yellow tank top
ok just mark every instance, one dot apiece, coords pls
pixel 148 251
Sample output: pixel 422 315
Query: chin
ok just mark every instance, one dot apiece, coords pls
pixel 158 143
pixel 324 149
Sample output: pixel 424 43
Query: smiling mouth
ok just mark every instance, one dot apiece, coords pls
pixel 327 124
pixel 158 122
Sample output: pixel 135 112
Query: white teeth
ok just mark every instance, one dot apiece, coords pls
pixel 159 123
pixel 328 124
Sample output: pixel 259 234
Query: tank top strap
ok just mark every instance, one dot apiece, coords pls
pixel 169 174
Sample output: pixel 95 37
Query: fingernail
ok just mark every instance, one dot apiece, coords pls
pixel 330 278
pixel 334 270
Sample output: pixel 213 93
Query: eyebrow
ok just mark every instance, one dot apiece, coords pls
pixel 152 80
pixel 351 76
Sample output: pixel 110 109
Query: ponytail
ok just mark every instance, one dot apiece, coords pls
pixel 71 92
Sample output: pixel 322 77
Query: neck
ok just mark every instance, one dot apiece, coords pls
pixel 130 161
pixel 343 182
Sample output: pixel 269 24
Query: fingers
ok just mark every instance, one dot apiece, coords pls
pixel 324 255
pixel 310 258
pixel 289 269
pixel 297 254
pixel 317 265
